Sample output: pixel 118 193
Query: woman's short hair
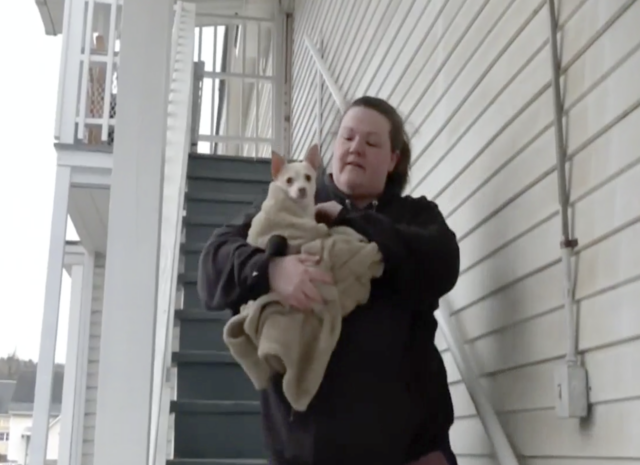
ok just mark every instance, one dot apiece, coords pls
pixel 398 136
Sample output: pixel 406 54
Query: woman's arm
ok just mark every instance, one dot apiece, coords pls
pixel 231 272
pixel 421 256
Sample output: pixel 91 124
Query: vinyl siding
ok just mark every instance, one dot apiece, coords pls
pixel 472 78
pixel 93 360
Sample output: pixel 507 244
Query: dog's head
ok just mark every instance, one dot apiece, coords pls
pixel 298 179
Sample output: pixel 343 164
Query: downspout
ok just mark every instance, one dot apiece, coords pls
pixel 571 384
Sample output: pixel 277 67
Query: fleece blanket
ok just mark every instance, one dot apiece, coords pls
pixel 268 337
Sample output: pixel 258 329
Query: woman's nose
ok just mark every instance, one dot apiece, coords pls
pixel 357 145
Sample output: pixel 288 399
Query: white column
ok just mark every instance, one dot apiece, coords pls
pixel 49 331
pixel 129 312
pixel 77 437
pixel 71 364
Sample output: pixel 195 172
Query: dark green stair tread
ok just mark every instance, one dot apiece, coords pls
pixel 202 356
pixel 231 158
pixel 215 221
pixel 190 247
pixel 201 315
pixel 217 462
pixel 215 406
pixel 223 197
pixel 213 171
pixel 188 278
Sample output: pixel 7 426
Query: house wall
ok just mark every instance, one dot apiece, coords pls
pixel 93 360
pixel 4 428
pixel 18 444
pixel 472 78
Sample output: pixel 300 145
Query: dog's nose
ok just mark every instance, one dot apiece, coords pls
pixel 302 192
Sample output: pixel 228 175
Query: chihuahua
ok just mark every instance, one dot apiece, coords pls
pixel 298 179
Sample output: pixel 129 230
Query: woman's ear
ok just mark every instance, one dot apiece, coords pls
pixel 395 156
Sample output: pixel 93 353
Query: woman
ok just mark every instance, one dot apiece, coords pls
pixel 384 399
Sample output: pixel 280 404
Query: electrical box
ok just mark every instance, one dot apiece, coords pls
pixel 572 391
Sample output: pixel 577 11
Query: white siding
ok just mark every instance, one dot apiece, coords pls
pixel 473 80
pixel 93 360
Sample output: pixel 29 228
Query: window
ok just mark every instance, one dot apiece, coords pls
pixel 4 437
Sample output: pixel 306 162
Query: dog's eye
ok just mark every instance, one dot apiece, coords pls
pixel 289 180
pixel 307 177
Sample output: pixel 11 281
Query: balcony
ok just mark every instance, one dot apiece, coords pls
pixel 234 49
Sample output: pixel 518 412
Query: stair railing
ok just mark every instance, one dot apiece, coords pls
pixel 503 450
pixel 178 145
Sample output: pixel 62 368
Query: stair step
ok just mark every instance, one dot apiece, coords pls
pixel 188 277
pixel 214 406
pixel 178 461
pixel 212 375
pixel 202 356
pixel 202 330
pixel 200 315
pixel 218 429
pixel 191 298
pixel 200 234
pixel 227 168
pixel 225 188
pixel 217 211
pixel 242 198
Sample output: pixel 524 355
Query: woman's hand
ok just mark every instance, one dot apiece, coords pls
pixel 326 212
pixel 292 278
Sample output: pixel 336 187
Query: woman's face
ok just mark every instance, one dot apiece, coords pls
pixel 362 155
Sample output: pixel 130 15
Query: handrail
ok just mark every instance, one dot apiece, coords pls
pixel 178 144
pixel 503 450
pixel 333 86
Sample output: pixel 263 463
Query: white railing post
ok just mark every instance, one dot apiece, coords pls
pixel 503 450
pixel 106 104
pixel 49 331
pixel 69 75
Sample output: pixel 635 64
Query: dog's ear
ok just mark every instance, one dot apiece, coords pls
pixel 277 163
pixel 313 157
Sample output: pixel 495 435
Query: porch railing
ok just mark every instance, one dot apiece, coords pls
pixel 88 84
pixel 503 450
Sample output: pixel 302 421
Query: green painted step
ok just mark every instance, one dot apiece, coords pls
pixel 217 429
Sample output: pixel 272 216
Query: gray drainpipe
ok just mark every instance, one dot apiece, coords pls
pixel 570 378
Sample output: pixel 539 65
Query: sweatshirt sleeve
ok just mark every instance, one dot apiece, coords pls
pixel 421 255
pixel 231 272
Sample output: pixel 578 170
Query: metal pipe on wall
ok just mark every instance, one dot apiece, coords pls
pixel 567 244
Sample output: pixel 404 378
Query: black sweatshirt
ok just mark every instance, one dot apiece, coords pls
pixel 384 399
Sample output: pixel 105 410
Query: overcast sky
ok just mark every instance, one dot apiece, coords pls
pixel 28 87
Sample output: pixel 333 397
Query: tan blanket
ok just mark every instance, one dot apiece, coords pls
pixel 266 336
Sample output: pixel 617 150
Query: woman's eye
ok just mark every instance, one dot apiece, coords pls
pixel 372 144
